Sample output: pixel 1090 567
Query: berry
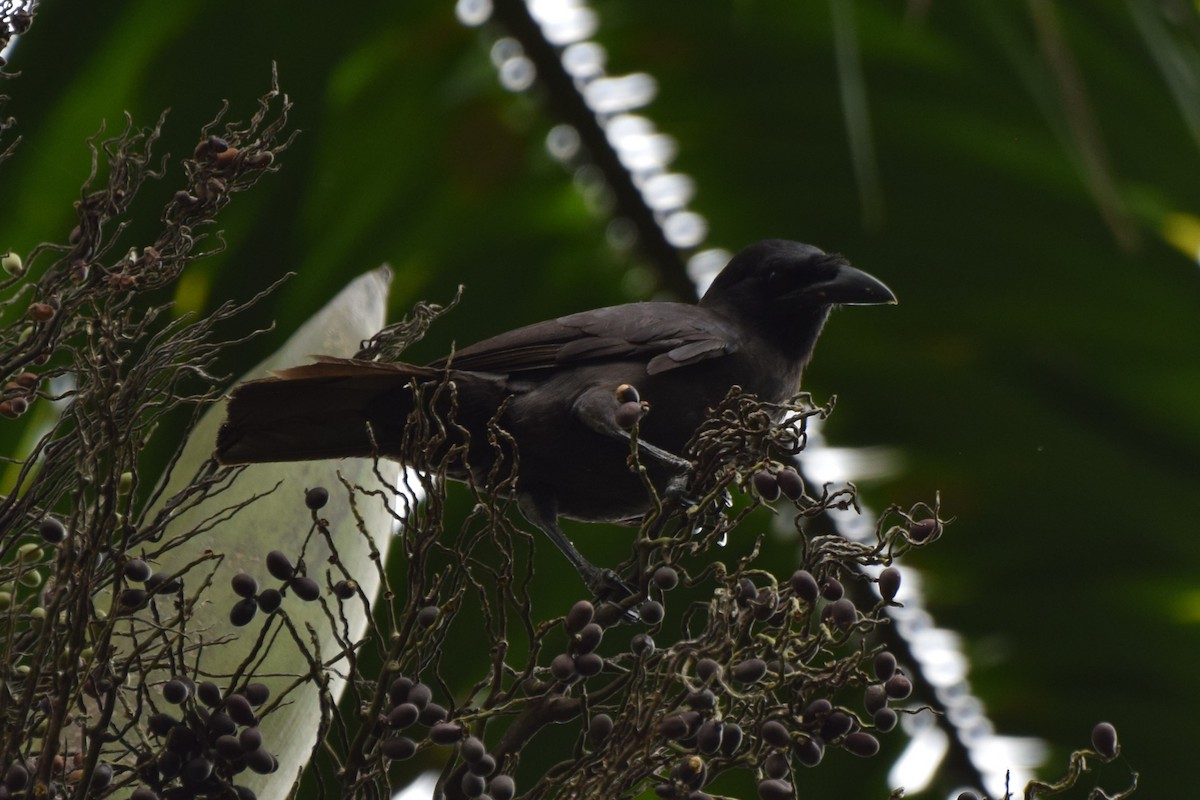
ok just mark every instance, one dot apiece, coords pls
pixel 316 498
pixel 1104 740
pixel 280 566
pixel 766 485
pixel 889 583
pixel 665 578
pixel 244 585
pixel 306 588
pixel 52 531
pixel 580 615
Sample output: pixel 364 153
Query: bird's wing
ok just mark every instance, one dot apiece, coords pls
pixel 664 335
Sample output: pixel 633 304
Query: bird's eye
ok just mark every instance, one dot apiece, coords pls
pixel 777 281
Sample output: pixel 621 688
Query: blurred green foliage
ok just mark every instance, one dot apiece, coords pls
pixel 1042 370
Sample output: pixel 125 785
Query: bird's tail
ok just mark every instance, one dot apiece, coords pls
pixel 335 408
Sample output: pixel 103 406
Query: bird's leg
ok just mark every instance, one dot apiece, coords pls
pixel 542 512
pixel 598 409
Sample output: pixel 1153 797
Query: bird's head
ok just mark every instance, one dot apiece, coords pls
pixel 786 290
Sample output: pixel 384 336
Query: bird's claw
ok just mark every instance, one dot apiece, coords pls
pixel 608 588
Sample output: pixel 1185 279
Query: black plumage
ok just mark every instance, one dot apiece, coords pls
pixel 755 327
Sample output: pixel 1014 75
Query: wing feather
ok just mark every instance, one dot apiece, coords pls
pixel 665 335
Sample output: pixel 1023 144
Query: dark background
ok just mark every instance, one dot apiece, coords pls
pixel 1036 216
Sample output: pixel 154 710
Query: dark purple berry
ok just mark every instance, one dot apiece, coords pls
pixel 133 598
pixel 836 725
pixel 1104 740
pixel 642 644
pixel 403 715
pixel 809 752
pixel 861 744
pixel 209 693
pixel 589 664
pixel 484 766
pixel 243 612
pixel 419 694
pixel 398 748
pixel 244 585
pixel 679 726
pixel 161 723
pixel 398 691
pixel 751 670
pixel 260 761
pixel 885 719
pixel 175 691
pixel 775 733
pixel 280 566
pixel 889 583
pixel 665 578
pixel 731 738
pixel 16 779
pixel 228 747
pixel 652 612
pixel 562 667
pixel 885 665
pixel 790 483
pixel 472 749
pixel 250 739
pixel 432 714
pixel 446 733
pixel 817 708
pixel 427 616
pixel 137 570
pixel 923 530
pixel 473 785
pixel 580 615
pixel 269 600
pixel 628 414
pixel 898 687
pixel 874 698
pixel 305 588
pixel 502 787
pixel 843 613
pixel 257 693
pixel 776 765
pixel 589 638
pixel 599 728
pixel 766 485
pixel 220 723
pixel 707 670
pixel 316 498
pixel 52 532
pixel 805 585
pixel 163 583
pixel 238 707
pixel 771 789
pixel 197 770
pixel 709 736
pixel 345 589
pixel 832 589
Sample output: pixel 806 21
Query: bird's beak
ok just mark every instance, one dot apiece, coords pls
pixel 852 287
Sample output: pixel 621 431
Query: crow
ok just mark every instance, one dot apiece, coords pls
pixel 563 386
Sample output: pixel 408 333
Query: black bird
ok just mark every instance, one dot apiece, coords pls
pixel 755 328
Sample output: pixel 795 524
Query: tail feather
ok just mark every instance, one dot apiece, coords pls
pixel 319 411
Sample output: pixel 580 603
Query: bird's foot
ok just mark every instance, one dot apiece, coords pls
pixel 608 588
